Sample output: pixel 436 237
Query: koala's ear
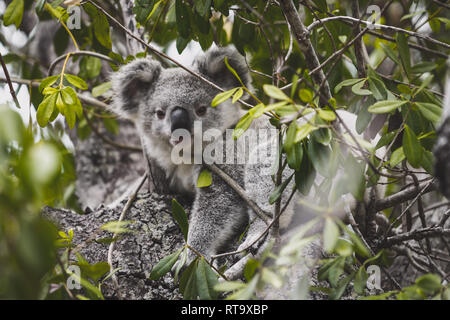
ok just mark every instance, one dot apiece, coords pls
pixel 212 64
pixel 130 85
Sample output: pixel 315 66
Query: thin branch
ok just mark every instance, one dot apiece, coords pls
pixel 419 234
pixel 380 26
pixel 301 34
pixel 8 80
pixel 108 140
pixel 78 53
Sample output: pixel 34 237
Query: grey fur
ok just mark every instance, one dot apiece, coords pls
pixel 142 88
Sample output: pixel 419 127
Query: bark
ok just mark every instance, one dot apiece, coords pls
pixel 442 147
pixel 155 235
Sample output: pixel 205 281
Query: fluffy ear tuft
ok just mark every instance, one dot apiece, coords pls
pixel 212 64
pixel 131 83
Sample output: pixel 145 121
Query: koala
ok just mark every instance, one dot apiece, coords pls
pixel 162 102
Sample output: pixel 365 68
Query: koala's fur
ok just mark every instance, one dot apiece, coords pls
pixel 143 88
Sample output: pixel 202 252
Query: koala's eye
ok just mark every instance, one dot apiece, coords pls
pixel 201 111
pixel 160 114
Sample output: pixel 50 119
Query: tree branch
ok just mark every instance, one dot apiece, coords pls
pixel 301 35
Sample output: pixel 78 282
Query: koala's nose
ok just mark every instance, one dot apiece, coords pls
pixel 179 119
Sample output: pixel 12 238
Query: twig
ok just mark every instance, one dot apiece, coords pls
pixel 8 80
pixel 419 234
pixel 381 26
pixel 78 53
pixel 106 139
pixel 301 35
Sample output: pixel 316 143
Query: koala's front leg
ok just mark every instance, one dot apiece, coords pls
pixel 218 217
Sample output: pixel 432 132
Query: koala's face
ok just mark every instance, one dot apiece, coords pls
pixel 163 101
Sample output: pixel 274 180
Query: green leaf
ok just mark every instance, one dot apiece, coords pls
pixel 87 285
pixel 430 111
pixel 47 82
pixel 304 178
pixel 330 235
pixel 396 157
pixel 423 67
pixel 182 15
pixel 412 147
pixel 377 88
pixel 100 24
pixel 202 7
pixel 346 83
pixel 247 292
pixel 295 157
pixel 304 131
pixel 45 109
pixel 76 81
pixel 233 71
pixel 405 54
pixel 222 97
pixel 237 95
pixel 242 126
pixel 180 217
pixel 360 280
pixel 326 115
pixel 275 92
pixel 188 281
pixel 143 9
pixel 204 179
pixel 101 89
pixel 164 266
pixel 386 106
pixel 429 283
pixel 229 286
pixel 111 125
pixel 306 95
pixel 116 226
pixel 206 281
pixel 13 13
pixel 358 90
pixel 276 194
pixel 390 53
pixel 290 136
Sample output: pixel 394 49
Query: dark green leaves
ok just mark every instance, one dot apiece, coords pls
pixel 180 217
pixel 386 106
pixel 206 280
pixel 100 25
pixel 405 55
pixel 430 111
pixel 412 147
pixel 182 15
pixel 142 9
pixel 164 266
